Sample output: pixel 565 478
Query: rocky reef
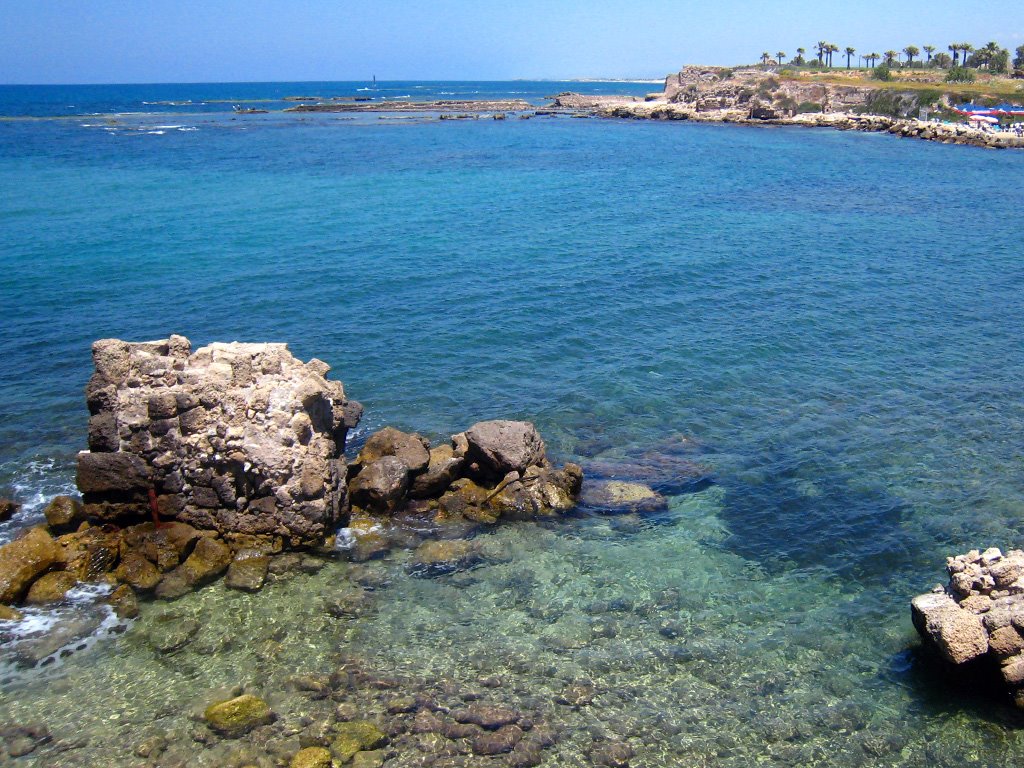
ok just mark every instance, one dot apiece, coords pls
pixel 978 617
pixel 213 462
pixel 755 96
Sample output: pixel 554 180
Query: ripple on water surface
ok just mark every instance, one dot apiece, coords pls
pixel 799 304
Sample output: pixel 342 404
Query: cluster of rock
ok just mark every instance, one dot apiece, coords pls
pixel 212 462
pixel 979 614
pixel 495 470
pixel 755 96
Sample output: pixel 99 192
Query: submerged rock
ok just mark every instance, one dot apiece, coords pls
pixel 619 496
pixel 311 757
pixel 23 560
pixel 355 736
pixel 439 557
pixel 247 573
pixel 236 717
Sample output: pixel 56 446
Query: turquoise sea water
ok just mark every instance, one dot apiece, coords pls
pixel 834 319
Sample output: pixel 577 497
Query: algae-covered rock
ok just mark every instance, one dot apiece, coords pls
pixel 247 572
pixel 209 559
pixel 64 514
pixel 50 588
pixel 90 553
pixel 356 736
pixel 238 716
pixel 619 496
pixel 23 560
pixel 371 759
pixel 442 556
pixel 466 499
pixel 137 571
pixel 311 757
pixel 367 537
pixel 10 614
pixel 124 602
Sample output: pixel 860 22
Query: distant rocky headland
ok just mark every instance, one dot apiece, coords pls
pixel 757 96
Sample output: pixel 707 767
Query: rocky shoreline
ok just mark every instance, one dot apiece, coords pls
pixel 754 96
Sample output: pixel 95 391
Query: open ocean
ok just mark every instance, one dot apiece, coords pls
pixel 831 320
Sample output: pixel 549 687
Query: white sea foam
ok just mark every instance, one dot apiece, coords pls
pixel 156 133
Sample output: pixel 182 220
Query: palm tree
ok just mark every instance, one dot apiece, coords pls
pixel 929 50
pixel 765 58
pixel 800 55
pixel 890 57
pixel 781 55
pixel 954 48
pixel 990 51
pixel 871 58
pixel 832 48
pixel 849 55
pixel 966 48
pixel 822 46
pixel 911 51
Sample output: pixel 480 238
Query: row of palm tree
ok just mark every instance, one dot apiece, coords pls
pixel 983 57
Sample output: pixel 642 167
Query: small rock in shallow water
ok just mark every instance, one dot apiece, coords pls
pixel 497 742
pixel 356 736
pixel 7 509
pixel 616 754
pixel 235 717
pixel 247 573
pixel 311 757
pixel 171 632
pixel 486 715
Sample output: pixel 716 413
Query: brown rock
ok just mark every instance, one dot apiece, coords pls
pixel 209 559
pixel 466 499
pixel 137 572
pixel 413 450
pixel 23 560
pixel 381 485
pixel 442 470
pixel 124 602
pixel 64 514
pixel 50 588
pixel 622 497
pixel 8 508
pixel 487 716
pixel 441 556
pixel 247 572
pixel 10 614
pixel 616 754
pixel 957 634
pixel 497 742
pixel 105 473
pixel 91 552
pixel 500 447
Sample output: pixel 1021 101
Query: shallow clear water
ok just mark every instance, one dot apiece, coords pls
pixel 832 317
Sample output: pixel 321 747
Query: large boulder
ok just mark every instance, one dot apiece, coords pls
pixel 64 514
pixel 23 560
pixel 237 438
pixel 499 447
pixel 957 633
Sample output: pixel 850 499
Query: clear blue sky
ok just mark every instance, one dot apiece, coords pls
pixel 122 41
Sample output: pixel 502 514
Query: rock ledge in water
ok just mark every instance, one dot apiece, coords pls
pixel 978 614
